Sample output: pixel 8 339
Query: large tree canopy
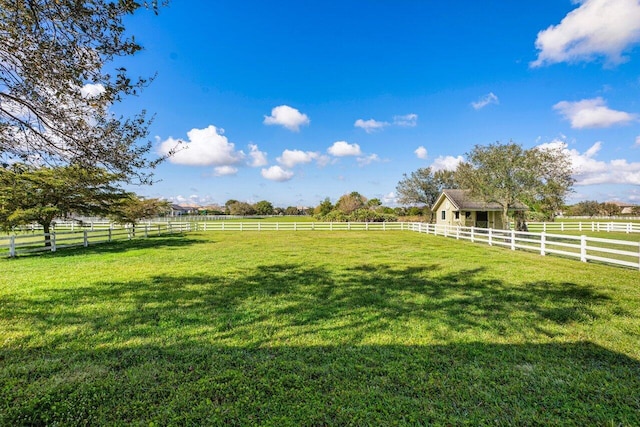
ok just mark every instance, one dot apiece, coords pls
pixel 507 174
pixel 58 82
pixel 29 194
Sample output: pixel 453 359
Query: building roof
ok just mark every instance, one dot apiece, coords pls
pixel 463 200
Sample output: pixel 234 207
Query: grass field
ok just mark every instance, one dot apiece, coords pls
pixel 316 328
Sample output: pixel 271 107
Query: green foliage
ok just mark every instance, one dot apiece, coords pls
pixel 52 52
pixel 424 186
pixel 131 209
pixel 264 207
pixel 323 208
pixel 507 174
pixel 316 328
pixel 585 208
pixel 29 194
pixel 351 202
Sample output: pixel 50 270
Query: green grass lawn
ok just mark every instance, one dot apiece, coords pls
pixel 316 328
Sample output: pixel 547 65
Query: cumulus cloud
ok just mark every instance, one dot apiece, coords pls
pixel 488 99
pixel 343 149
pixel 276 173
pixel 588 170
pixel 90 90
pixel 597 28
pixel 449 163
pixel 258 158
pixel 370 125
pixel 408 120
pixel 390 198
pixel 421 152
pixel 205 147
pixel 225 170
pixel 288 117
pixel 592 113
pixel 290 158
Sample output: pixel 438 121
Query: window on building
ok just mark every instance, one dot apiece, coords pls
pixel 456 215
pixel 444 215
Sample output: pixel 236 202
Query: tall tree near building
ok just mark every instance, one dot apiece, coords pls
pixel 58 80
pixel 507 174
pixel 424 186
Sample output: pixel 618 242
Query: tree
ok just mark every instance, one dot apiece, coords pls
pixel 507 174
pixel 240 208
pixel 58 81
pixel 610 209
pixel 424 186
pixel 323 208
pixel 131 209
pixel 588 208
pixel 29 194
pixel 351 202
pixel 263 207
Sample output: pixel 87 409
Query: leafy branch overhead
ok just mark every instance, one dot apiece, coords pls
pixel 58 81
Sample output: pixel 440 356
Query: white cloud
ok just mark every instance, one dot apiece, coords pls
pixel 276 173
pixel 366 160
pixel 390 198
pixel 592 113
pixel 290 158
pixel 446 163
pixel 408 120
pixel 587 170
pixel 421 152
pixel 598 28
pixel 205 147
pixel 258 158
pixel 225 170
pixel 343 148
pixel 370 125
pixel 288 117
pixel 489 98
pixel 90 90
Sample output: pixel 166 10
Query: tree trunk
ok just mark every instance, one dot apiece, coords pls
pixel 47 234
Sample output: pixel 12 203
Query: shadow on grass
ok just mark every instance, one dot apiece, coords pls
pixel 119 246
pixel 288 344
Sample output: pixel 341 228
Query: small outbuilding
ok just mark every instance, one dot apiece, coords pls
pixel 460 208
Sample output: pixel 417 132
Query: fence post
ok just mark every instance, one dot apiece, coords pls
pixel 583 248
pixel 490 237
pixel 109 238
pixel 86 238
pixel 52 240
pixel 513 240
pixel 472 234
pixel 12 246
pixel 543 239
pixel 146 231
pixel 458 233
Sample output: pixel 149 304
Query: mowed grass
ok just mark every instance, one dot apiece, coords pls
pixel 316 328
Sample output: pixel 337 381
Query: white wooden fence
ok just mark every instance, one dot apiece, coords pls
pixel 617 252
pixel 36 242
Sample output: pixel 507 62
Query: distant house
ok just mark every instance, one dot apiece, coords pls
pixel 458 207
pixel 177 210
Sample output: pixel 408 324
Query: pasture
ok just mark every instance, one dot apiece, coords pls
pixel 316 328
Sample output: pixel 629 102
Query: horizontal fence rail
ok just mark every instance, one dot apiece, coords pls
pixel 616 252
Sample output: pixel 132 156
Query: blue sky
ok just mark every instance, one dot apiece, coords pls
pixel 294 101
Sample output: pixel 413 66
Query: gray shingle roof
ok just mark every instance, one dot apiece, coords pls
pixel 463 200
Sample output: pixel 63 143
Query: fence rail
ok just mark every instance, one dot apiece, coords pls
pixel 616 252
pixel 14 245
pixel 610 251
pixel 594 226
